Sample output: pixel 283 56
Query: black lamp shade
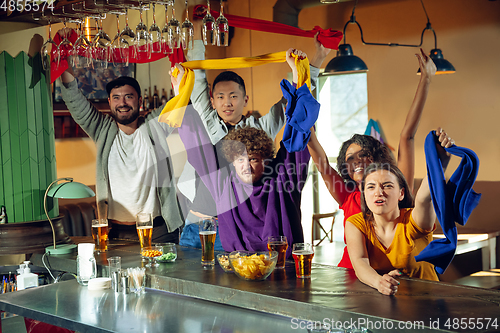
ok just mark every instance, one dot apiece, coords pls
pixel 345 61
pixel 443 66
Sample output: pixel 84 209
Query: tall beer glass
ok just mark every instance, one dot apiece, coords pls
pixel 144 225
pixel 303 254
pixel 280 245
pixel 207 232
pixel 100 234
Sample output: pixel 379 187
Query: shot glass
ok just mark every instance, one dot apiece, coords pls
pixel 114 265
pixel 100 234
pixel 280 245
pixel 207 232
pixel 303 254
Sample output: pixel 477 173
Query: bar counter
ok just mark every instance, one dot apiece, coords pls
pixel 187 293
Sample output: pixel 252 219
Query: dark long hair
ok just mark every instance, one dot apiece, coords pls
pixel 407 201
pixel 378 152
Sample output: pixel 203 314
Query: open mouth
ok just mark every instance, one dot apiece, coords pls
pixel 359 169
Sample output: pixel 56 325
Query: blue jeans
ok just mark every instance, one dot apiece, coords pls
pixel 190 237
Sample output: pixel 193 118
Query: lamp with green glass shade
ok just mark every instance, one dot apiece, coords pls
pixel 67 190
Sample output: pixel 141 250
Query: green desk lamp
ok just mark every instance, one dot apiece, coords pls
pixel 67 190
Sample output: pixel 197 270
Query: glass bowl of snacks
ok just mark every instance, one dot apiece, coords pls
pixel 223 259
pixel 253 266
pixel 151 253
pixel 169 252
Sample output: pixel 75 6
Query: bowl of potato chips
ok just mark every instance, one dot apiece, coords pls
pixel 253 266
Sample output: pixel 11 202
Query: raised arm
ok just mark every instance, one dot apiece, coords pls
pixel 356 246
pixel 406 151
pixel 320 54
pixel 423 214
pixel 333 180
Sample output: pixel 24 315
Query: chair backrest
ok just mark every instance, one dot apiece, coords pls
pixel 318 232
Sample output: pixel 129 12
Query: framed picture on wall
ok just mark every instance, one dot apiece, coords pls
pixel 92 81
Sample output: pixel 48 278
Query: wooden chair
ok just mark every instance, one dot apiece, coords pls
pixel 327 234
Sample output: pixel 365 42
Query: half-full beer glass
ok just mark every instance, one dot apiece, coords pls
pixel 100 234
pixel 280 245
pixel 303 254
pixel 144 225
pixel 207 232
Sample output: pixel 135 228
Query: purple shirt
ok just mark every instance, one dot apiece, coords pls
pixel 249 213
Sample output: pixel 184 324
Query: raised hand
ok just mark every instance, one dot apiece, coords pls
pixel 427 66
pixel 176 80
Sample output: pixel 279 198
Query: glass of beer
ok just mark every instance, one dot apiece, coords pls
pixel 280 245
pixel 303 254
pixel 207 232
pixel 144 225
pixel 100 234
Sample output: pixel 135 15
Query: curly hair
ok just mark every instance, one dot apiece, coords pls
pixel 248 140
pixel 377 151
pixel 407 201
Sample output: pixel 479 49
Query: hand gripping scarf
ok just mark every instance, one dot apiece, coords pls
pixel 173 112
pixel 453 201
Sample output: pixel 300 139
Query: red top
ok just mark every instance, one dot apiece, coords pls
pixel 351 206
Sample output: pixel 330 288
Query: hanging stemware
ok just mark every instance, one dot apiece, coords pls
pixel 155 36
pixel 174 31
pixel 127 37
pixel 81 50
pixel 100 46
pixel 164 32
pixel 141 36
pixel 115 52
pixel 187 30
pixel 208 27
pixel 46 53
pixel 222 28
pixel 65 46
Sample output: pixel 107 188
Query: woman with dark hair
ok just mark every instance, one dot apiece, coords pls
pixel 362 150
pixel 384 240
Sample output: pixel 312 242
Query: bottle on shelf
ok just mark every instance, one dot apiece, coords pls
pixel 172 95
pixel 3 216
pixel 164 98
pixel 145 101
pixel 156 99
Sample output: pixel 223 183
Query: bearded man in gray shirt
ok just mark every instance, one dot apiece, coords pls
pixel 134 171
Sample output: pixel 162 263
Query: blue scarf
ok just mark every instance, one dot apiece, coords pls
pixel 453 201
pixel 305 110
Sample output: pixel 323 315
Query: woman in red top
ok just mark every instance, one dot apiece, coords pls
pixel 361 150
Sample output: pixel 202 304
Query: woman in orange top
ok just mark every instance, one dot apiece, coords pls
pixel 384 239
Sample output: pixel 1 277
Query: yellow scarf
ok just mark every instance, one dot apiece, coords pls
pixel 173 112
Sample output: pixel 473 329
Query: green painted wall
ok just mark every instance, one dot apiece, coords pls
pixel 27 144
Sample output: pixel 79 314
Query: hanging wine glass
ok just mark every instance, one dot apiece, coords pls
pixel 208 27
pixel 47 49
pixel 127 37
pixel 115 54
pixel 65 46
pixel 164 32
pixel 141 37
pixel 81 50
pixel 222 28
pixel 187 30
pixel 174 31
pixel 155 36
pixel 100 46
